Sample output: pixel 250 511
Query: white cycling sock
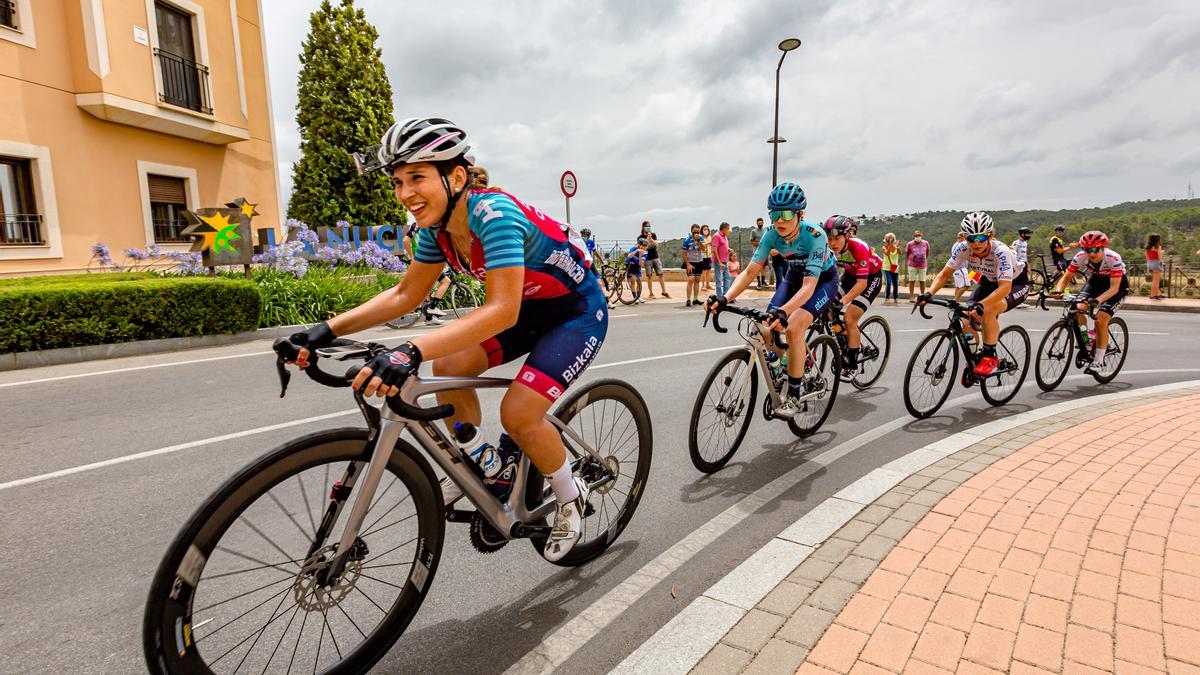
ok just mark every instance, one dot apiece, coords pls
pixel 563 484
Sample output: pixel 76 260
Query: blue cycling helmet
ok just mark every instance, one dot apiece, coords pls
pixel 787 196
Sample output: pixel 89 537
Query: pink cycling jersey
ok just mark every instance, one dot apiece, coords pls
pixel 858 259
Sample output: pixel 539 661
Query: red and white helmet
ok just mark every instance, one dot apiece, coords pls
pixel 1093 239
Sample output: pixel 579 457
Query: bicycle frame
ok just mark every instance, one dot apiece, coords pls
pixel 757 347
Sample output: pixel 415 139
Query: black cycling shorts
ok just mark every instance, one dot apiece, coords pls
pixel 1097 285
pixel 1020 290
pixel 864 299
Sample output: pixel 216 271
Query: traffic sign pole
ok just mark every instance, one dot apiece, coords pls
pixel 569 186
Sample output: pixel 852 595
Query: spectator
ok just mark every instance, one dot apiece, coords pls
pixel 891 268
pixel 635 259
pixel 962 278
pixel 693 253
pixel 707 261
pixel 653 262
pixel 1154 264
pixel 756 236
pixel 720 259
pixel 1058 250
pixel 734 267
pixel 917 257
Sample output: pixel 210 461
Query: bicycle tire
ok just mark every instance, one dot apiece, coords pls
pixel 860 380
pixel 829 359
pixel 1059 334
pixel 943 375
pixel 631 295
pixel 167 623
pixel 537 489
pixel 1106 377
pixel 746 407
pixel 989 390
pixel 461 299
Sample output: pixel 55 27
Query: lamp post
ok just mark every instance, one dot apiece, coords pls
pixel 785 47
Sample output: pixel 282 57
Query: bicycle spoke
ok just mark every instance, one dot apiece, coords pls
pixel 296 647
pixel 307 508
pixel 275 616
pixel 231 621
pixel 242 595
pixel 381 529
pixel 385 515
pixel 389 551
pixel 381 581
pixel 352 622
pixel 280 642
pixel 262 534
pixel 262 566
pixel 369 599
pixel 289 516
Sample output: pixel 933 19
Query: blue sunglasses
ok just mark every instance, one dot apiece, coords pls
pixel 978 238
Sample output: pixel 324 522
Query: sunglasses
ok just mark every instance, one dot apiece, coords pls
pixel 786 214
pixel 1093 249
pixel 978 238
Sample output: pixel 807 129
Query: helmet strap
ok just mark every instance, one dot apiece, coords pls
pixel 451 199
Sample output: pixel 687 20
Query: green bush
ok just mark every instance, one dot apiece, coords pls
pixel 317 296
pixel 75 310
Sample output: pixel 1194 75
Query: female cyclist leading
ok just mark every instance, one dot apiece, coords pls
pixel 541 300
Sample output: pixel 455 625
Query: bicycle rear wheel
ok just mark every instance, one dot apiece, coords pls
pixel 1118 349
pixel 611 417
pixel 822 378
pixel 1012 351
pixel 631 290
pixel 930 374
pixel 722 412
pixel 241 585
pixel 1054 355
pixel 875 346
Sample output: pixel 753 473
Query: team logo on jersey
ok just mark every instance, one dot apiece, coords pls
pixel 563 261
pixel 528 376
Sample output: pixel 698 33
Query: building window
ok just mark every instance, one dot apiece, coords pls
pixel 168 201
pixel 184 81
pixel 8 14
pixel 22 222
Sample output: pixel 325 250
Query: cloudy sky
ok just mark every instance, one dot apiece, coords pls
pixel 662 108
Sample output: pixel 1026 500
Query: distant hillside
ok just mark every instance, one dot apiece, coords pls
pixel 1127 225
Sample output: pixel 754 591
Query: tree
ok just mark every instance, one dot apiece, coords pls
pixel 345 105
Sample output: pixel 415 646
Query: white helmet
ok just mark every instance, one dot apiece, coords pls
pixel 423 139
pixel 978 222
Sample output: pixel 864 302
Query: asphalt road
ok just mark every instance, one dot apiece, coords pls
pixel 79 549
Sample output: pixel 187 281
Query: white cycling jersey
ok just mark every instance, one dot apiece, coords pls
pixel 1000 264
pixel 1021 248
pixel 1110 265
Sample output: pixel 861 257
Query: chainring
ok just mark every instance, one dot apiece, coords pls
pixel 485 538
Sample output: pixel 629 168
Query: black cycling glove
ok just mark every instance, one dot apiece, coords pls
pixel 924 298
pixel 312 339
pixel 779 315
pixel 716 302
pixel 395 366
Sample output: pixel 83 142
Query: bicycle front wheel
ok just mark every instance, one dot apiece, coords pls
pixel 821 380
pixel 722 412
pixel 611 417
pixel 245 584
pixel 461 299
pixel 1114 356
pixel 875 347
pixel 1054 355
pixel 930 374
pixel 1012 351
pixel 631 290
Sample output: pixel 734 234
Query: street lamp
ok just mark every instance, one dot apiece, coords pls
pixel 785 47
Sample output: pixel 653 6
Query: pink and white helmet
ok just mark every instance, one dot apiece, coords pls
pixel 423 139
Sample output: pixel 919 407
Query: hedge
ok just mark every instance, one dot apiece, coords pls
pixel 88 309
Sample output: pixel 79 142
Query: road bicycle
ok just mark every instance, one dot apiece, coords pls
pixel 317 555
pixel 461 297
pixel 875 343
pixel 931 370
pixel 726 401
pixel 1066 338
pixel 619 286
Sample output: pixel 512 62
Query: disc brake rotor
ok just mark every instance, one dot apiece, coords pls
pixel 313 596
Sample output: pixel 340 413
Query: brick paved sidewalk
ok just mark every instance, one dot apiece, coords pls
pixel 1068 544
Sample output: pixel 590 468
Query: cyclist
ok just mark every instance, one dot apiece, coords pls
pixel 1003 284
pixel 862 277
pixel 1020 245
pixel 809 283
pixel 1058 249
pixel 541 301
pixel 1107 286
pixel 429 308
pixel 593 254
pixel 635 258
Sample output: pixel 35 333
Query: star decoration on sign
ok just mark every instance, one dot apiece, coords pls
pixel 222 234
pixel 249 210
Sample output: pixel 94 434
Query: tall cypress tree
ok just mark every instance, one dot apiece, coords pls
pixel 345 105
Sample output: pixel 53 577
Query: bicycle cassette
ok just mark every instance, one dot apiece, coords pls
pixel 484 537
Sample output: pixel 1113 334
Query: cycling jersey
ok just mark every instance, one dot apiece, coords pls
pixel 1110 265
pixel 1021 248
pixel 634 259
pixel 506 232
pixel 809 249
pixel 999 264
pixel 858 259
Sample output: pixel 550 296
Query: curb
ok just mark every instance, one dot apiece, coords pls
pixel 55 357
pixel 692 634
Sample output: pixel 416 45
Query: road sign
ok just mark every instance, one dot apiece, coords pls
pixel 568 184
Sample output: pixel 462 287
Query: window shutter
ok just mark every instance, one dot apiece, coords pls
pixel 166 189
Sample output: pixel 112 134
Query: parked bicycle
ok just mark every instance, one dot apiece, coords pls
pixel 875 343
pixel 1067 338
pixel 618 285
pixel 932 369
pixel 317 555
pixel 726 402
pixel 463 295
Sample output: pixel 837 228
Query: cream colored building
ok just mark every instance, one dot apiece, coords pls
pixel 115 115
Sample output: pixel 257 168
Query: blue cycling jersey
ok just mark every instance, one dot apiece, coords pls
pixel 809 248
pixel 506 232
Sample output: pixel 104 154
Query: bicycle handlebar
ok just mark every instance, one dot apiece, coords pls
pixel 1066 300
pixel 950 304
pixel 329 379
pixel 748 312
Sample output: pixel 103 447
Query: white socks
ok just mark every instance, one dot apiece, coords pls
pixel 563 484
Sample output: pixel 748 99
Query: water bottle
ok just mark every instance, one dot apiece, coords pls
pixel 480 452
pixel 775 364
